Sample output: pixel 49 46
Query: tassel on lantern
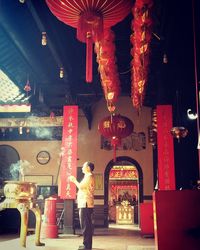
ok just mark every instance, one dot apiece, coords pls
pixel 89 53
pixel 90 29
pixel 115 141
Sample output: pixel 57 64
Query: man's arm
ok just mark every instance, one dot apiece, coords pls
pixel 74 180
pixel 81 185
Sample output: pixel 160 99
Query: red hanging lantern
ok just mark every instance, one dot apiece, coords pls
pixel 140 39
pixel 179 132
pixel 27 87
pixel 105 50
pixel 90 17
pixel 115 127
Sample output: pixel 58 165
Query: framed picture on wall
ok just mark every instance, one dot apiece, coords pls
pixel 98 181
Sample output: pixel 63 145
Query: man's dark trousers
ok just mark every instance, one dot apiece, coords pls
pixel 85 217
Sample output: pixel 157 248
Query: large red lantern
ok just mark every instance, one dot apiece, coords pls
pixel 115 127
pixel 140 39
pixel 90 17
pixel 105 50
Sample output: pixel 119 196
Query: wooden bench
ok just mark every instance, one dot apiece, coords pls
pixel 100 216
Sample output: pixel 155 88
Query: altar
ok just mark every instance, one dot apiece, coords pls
pixel 124 214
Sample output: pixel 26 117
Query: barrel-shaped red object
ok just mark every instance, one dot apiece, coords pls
pixel 50 227
pixel 115 126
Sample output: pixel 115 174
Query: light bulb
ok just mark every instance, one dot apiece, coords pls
pixel 191 115
pixel 61 72
pixel 165 59
pixel 44 38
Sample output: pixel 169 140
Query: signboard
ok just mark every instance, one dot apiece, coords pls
pixel 166 172
pixel 67 190
pixel 123 174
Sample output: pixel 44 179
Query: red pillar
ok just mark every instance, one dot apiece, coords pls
pixel 166 171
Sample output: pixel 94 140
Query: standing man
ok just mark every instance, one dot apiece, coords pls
pixel 85 198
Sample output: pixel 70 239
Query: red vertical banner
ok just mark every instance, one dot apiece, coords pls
pixel 166 171
pixel 67 190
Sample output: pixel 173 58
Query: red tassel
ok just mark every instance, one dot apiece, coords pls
pixel 114 153
pixel 89 52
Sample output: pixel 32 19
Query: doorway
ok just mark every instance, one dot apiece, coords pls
pixel 9 167
pixel 123 191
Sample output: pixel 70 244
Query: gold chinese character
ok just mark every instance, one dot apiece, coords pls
pixel 69 158
pixel 69 144
pixel 70 118
pixel 69 166
pixel 70 111
pixel 68 193
pixel 106 124
pixel 121 124
pixel 69 152
pixel 69 138
pixel 68 187
pixel 70 125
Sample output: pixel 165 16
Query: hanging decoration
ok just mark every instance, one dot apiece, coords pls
pixel 44 39
pixel 179 132
pixel 165 59
pixel 27 87
pixel 115 127
pixel 61 72
pixel 140 39
pixel 90 18
pixel 105 50
pixel 52 115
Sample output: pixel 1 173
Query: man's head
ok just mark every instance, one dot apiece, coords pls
pixel 88 167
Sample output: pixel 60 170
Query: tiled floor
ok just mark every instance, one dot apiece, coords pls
pixel 104 239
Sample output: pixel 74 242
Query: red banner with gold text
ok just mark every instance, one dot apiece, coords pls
pixel 166 172
pixel 67 190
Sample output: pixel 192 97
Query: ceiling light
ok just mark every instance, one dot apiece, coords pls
pixel 191 115
pixel 165 59
pixel 44 38
pixel 61 72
